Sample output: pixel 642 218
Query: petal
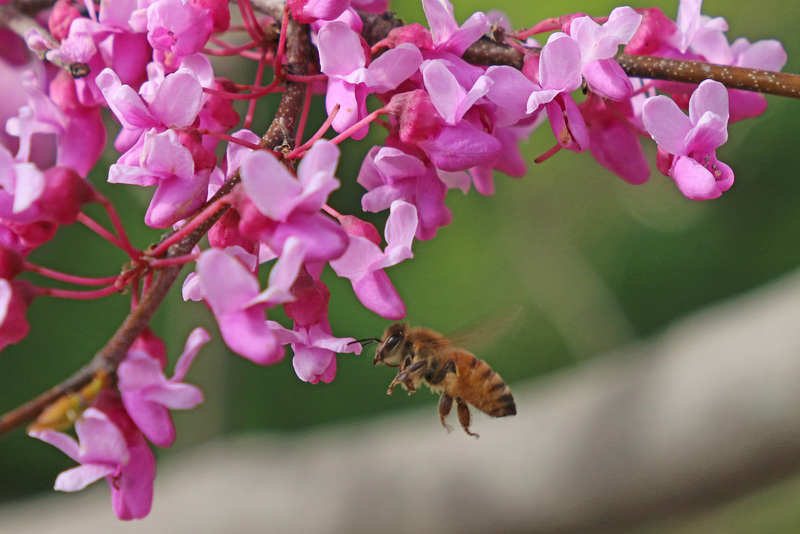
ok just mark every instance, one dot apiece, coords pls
pixel 356 261
pixel 227 284
pixel 393 67
pixel 312 364
pixel 560 64
pixel 666 123
pixel 694 180
pixel 246 333
pixel 606 78
pixel 316 174
pixel 376 293
pixel 77 478
pixel 175 396
pixel 197 338
pixel 283 274
pixel 132 492
pixel 445 91
pixel 340 51
pixel 100 439
pixel 64 442
pixel 710 96
pixel 269 185
pixel 177 100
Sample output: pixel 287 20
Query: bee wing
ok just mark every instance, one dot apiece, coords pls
pixel 482 334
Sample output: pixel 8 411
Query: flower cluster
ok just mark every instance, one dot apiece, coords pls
pixel 450 124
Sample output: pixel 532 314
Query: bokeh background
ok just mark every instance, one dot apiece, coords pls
pixel 592 262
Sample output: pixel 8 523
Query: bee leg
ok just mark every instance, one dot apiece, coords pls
pixel 445 405
pixel 464 417
pixel 442 372
pixel 404 377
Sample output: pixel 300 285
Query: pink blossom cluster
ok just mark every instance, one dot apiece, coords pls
pixel 450 124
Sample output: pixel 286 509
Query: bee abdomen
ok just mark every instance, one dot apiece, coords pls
pixel 484 389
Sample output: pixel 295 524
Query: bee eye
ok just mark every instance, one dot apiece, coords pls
pixel 393 341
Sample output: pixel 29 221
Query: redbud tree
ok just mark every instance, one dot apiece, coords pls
pixel 234 196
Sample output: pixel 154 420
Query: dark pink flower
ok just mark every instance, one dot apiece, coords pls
pixel 148 395
pixel 105 450
pixel 363 262
pixel 390 174
pixel 279 206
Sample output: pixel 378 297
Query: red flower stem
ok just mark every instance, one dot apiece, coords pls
pixel 354 128
pixel 227 49
pixel 167 262
pixel 232 139
pixel 189 227
pixel 96 228
pixel 278 59
pixel 332 212
pixel 116 222
pixel 77 295
pixel 299 151
pixel 250 21
pixel 251 106
pixel 72 279
pixel 301 125
pixel 305 79
pixel 256 92
pixel 547 155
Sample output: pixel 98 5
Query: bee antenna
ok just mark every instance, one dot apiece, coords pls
pixel 365 342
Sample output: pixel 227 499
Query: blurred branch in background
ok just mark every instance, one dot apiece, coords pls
pixel 708 411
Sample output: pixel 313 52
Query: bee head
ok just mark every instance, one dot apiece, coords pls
pixel 390 350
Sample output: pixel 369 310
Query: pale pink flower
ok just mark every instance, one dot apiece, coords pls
pixel 687 145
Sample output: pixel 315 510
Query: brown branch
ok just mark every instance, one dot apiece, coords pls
pixel 676 70
pixel 279 135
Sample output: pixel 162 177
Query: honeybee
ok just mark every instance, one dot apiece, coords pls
pixel 427 357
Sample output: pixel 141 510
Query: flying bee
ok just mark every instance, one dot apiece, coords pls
pixel 423 356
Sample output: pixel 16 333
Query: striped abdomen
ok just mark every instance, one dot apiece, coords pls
pixel 476 383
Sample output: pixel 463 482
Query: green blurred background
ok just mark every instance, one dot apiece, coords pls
pixel 592 261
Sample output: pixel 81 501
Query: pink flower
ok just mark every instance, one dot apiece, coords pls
pixel 447 35
pixel 279 206
pixel 306 11
pixel 179 27
pixel 28 195
pixel 104 450
pixel 613 142
pixel 391 174
pixel 232 292
pixel 556 72
pixel 15 297
pixel 598 44
pixel 314 349
pixel 686 145
pixel 173 102
pixel 363 262
pixel 166 163
pixel 148 395
pixel 344 60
